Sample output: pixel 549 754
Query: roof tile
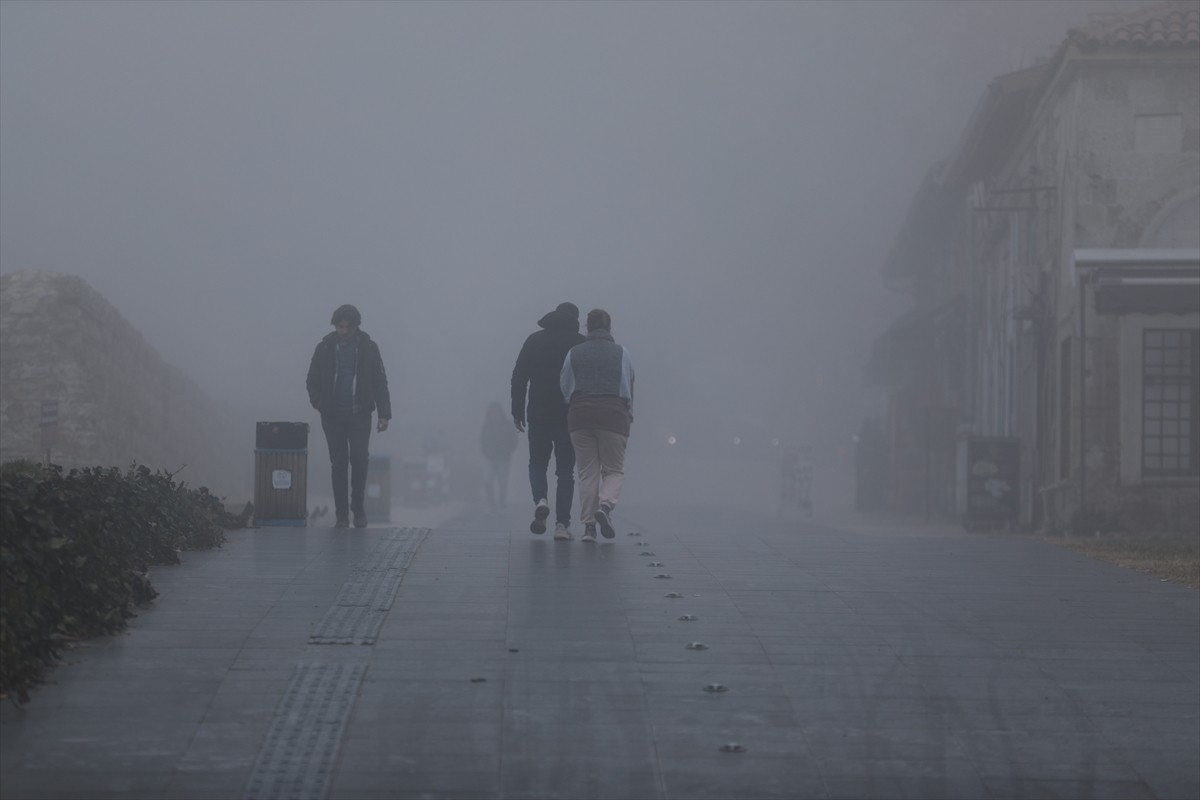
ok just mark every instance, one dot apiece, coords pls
pixel 1170 24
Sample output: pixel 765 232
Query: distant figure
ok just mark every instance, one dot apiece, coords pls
pixel 436 448
pixel 498 441
pixel 870 463
pixel 597 382
pixel 346 382
pixel 538 366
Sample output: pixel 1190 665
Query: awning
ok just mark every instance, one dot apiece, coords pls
pixel 1141 281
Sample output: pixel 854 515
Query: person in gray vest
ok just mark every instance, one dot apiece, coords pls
pixel 597 383
pixel 346 382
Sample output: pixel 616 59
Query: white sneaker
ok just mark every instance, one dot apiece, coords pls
pixel 540 512
pixel 606 528
pixel 562 532
pixel 589 532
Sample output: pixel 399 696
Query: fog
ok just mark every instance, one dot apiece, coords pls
pixel 724 179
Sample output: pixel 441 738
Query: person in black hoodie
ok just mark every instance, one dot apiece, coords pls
pixel 537 367
pixel 346 382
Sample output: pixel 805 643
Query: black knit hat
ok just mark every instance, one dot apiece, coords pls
pixel 346 313
pixel 568 308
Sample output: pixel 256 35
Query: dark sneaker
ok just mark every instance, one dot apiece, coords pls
pixel 540 512
pixel 589 532
pixel 606 528
pixel 360 520
pixel 342 522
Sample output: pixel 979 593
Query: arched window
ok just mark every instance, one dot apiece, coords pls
pixel 1177 225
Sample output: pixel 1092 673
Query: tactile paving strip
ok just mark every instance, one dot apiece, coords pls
pixel 301 747
pixel 357 614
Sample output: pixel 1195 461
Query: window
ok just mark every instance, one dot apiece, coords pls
pixel 1170 411
pixel 1177 226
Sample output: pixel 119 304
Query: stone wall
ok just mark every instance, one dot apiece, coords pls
pixel 118 401
pixel 1138 148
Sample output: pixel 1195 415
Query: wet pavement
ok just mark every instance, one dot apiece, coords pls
pixel 779 659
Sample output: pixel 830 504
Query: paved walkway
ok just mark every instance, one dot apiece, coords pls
pixel 481 661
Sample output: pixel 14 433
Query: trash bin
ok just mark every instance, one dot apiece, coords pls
pixel 988 482
pixel 281 474
pixel 378 500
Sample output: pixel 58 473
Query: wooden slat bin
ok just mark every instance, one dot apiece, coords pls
pixel 281 474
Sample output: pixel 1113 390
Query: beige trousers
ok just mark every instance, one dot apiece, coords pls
pixel 600 459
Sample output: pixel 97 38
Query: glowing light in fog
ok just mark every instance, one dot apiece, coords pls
pixel 774 443
pixel 737 440
pixel 670 440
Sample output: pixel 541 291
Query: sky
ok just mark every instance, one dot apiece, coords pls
pixel 724 178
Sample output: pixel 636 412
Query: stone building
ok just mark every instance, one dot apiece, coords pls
pixel 919 360
pixel 1074 230
pixel 78 380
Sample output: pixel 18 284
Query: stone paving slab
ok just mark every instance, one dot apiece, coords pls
pixel 858 663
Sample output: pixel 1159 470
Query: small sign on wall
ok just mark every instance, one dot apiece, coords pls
pixel 281 479
pixel 989 481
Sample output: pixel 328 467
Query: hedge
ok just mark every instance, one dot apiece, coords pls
pixel 76 549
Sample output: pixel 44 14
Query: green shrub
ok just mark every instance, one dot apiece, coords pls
pixel 75 551
pixel 21 465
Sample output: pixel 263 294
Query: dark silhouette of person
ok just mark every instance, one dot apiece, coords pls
pixel 346 383
pixel 498 442
pixel 870 454
pixel 538 365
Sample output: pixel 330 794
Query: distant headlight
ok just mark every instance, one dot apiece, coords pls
pixel 670 440
pixel 737 440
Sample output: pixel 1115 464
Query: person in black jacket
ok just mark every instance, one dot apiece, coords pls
pixel 538 366
pixel 346 382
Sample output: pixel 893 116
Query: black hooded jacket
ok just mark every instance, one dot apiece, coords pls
pixel 370 379
pixel 538 364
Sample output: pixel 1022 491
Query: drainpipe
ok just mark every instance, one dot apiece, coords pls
pixel 1082 396
pixel 928 464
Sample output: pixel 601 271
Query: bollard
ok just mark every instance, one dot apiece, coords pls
pixel 378 500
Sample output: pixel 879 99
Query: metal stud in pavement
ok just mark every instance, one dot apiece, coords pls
pixel 732 747
pixel 688 618
pixel 662 575
pixel 673 595
pixel 697 646
pixel 716 688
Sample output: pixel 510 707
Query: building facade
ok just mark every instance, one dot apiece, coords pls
pixel 1076 235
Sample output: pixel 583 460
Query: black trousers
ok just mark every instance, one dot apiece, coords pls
pixel 546 437
pixel 348 436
